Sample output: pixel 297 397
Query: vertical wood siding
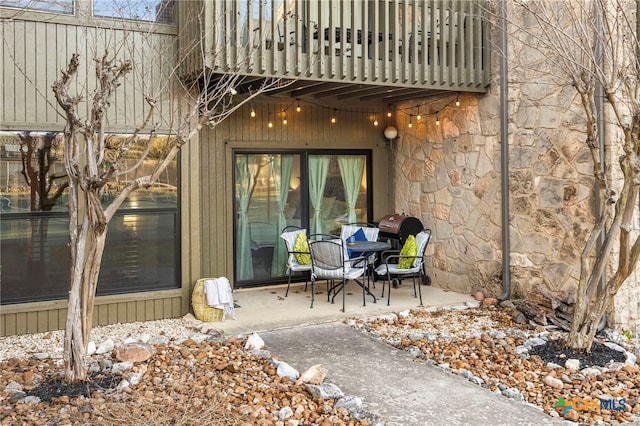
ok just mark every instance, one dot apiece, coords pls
pixel 308 129
pixel 34 53
pixel 46 316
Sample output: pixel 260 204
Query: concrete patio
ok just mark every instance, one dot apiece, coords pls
pixel 267 308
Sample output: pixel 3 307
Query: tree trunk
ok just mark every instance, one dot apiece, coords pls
pixel 88 230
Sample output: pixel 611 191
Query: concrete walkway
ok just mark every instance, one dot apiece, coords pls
pixel 390 382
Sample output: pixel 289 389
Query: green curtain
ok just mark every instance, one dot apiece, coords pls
pixel 318 170
pixel 351 169
pixel 283 163
pixel 246 168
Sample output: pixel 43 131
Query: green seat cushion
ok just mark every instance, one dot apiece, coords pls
pixel 301 249
pixel 409 249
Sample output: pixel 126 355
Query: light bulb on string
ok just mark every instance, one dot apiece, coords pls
pixel 410 118
pixel 457 101
pixel 253 113
pixel 375 120
pixel 419 117
pixel 333 117
pixel 389 110
pixel 437 120
pixel 298 106
pixel 284 117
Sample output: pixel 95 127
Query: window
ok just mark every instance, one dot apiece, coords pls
pixel 313 190
pixel 142 245
pixel 60 6
pixel 162 11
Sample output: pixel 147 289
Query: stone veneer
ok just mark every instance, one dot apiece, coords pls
pixel 449 176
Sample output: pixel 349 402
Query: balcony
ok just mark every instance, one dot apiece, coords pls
pixel 385 48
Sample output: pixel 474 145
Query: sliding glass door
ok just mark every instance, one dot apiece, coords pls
pixel 318 191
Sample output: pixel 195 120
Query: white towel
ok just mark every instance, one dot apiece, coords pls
pixel 219 295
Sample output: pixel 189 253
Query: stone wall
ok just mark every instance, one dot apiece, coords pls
pixel 448 175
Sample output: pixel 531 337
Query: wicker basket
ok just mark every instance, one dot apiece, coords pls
pixel 201 310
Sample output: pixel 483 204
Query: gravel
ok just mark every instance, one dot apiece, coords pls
pixel 26 345
pixel 195 376
pixel 198 376
pixel 522 361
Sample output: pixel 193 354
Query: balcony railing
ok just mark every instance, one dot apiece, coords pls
pixel 430 43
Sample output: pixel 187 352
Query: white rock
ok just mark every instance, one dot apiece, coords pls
pixel 285 413
pixel 572 364
pixel 31 400
pixel 123 385
pixel 325 391
pixel 390 318
pixel 285 370
pixel 121 367
pixel 13 387
pixel 591 370
pixel 351 403
pixel 631 359
pixel 254 342
pixel 614 346
pixel 553 382
pixel 91 348
pixel 134 378
pixel 105 347
pixel 315 375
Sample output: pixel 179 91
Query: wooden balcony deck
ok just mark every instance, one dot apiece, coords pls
pixel 399 44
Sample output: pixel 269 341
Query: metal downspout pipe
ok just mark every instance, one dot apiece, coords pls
pixel 504 157
pixel 599 107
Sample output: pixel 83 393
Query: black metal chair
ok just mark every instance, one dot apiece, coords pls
pixel 330 262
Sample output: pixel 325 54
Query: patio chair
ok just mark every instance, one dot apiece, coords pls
pixel 371 232
pixel 290 236
pixel 392 273
pixel 330 262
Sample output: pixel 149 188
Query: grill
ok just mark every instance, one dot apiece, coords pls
pixel 397 227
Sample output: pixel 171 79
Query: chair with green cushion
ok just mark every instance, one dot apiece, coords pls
pixel 298 257
pixel 405 263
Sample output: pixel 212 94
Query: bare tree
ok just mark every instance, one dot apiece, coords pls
pixel 45 185
pixel 593 46
pixel 91 161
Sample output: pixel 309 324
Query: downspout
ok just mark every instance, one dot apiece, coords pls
pixel 599 106
pixel 504 139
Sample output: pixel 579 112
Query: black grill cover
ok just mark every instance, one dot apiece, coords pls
pixel 399 227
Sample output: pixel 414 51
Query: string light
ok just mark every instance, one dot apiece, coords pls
pixel 410 123
pixel 297 105
pixel 415 110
